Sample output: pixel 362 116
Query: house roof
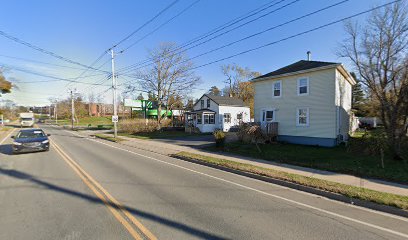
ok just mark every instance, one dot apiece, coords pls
pixel 226 101
pixel 302 65
pixel 202 110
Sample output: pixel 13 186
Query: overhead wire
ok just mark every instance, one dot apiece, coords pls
pixel 161 25
pixel 145 24
pixel 294 35
pixel 222 27
pixel 42 50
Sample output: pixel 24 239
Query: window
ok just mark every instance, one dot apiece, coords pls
pixel 208 103
pixel 206 119
pixel 199 119
pixel 277 89
pixel 212 118
pixel 202 104
pixel 239 117
pixel 209 118
pixel 268 116
pixel 303 86
pixel 227 117
pixel 302 117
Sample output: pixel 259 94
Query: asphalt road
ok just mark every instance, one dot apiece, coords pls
pixel 86 188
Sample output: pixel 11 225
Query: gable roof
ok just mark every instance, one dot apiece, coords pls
pixel 302 65
pixel 225 100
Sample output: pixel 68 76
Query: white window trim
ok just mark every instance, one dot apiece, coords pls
pixel 268 109
pixel 273 89
pixel 307 117
pixel 298 87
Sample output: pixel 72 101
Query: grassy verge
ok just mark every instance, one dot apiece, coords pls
pixel 161 135
pixel 4 129
pixel 336 159
pixel 346 190
pixel 109 138
pixel 90 122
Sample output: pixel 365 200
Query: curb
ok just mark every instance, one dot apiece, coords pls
pixel 316 191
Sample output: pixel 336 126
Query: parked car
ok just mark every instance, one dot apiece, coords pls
pixel 31 140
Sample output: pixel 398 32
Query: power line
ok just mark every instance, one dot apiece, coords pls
pixel 145 24
pixel 142 26
pixel 160 26
pixel 40 62
pixel 222 27
pixel 295 35
pixel 267 30
pixel 15 39
pixel 43 75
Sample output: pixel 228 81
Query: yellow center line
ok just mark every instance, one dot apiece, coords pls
pixel 114 206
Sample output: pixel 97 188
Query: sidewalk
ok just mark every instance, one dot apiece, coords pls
pixel 167 149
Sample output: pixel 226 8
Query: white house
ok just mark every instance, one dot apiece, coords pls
pixel 310 100
pixel 217 112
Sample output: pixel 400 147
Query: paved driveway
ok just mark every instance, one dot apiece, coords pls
pixel 199 141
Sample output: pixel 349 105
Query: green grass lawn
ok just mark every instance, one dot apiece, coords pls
pixel 93 121
pixel 335 159
pixel 161 135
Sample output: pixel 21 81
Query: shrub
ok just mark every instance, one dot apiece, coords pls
pixel 219 138
pixel 132 126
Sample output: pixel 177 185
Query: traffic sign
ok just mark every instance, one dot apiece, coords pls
pixel 115 119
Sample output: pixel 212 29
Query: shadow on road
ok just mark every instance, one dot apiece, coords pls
pixel 6 149
pixel 171 223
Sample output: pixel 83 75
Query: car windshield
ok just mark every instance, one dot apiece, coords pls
pixel 30 134
pixel 26 119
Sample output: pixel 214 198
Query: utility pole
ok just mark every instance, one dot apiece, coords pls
pixel 56 112
pixel 115 110
pixel 72 109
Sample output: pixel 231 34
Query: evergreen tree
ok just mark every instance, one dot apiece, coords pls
pixel 358 99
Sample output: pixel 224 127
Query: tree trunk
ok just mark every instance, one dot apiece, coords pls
pixel 159 108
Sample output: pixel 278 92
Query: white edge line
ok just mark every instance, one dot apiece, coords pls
pixel 276 185
pixel 258 191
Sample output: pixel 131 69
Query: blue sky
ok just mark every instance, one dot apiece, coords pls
pixel 82 30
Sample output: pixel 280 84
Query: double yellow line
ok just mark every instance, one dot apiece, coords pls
pixel 132 225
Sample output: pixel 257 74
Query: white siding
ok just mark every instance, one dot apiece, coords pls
pixel 320 101
pixel 214 107
pixel 234 111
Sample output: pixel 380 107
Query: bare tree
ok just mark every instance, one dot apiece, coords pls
pixel 379 53
pixel 238 83
pixel 169 76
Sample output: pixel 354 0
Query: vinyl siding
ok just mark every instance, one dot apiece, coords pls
pixel 343 102
pixel 233 111
pixel 320 101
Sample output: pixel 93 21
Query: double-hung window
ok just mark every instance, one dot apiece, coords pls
pixel 206 119
pixel 277 89
pixel 302 117
pixel 227 117
pixel 208 103
pixel 303 86
pixel 212 118
pixel 239 117
pixel 202 103
pixel 199 119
